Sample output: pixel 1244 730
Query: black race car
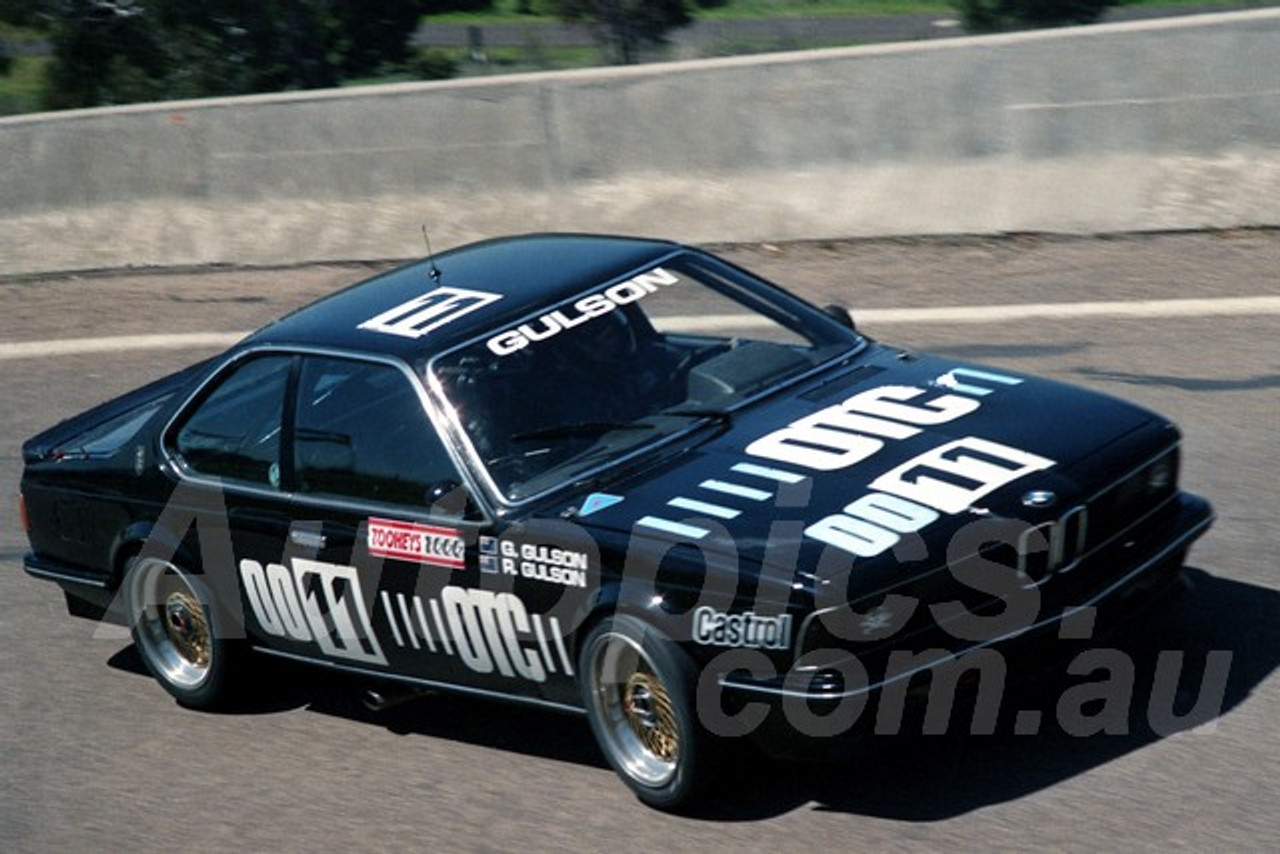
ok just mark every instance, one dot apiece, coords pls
pixel 603 475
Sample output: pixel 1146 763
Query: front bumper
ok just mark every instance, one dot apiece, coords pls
pixel 1106 589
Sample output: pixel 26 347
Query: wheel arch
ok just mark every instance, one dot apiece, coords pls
pixel 643 714
pixel 612 600
pixel 141 534
pixel 146 537
pixel 127 545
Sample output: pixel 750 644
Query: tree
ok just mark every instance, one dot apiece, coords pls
pixel 992 16
pixel 34 14
pixel 625 25
pixel 117 51
pixel 103 53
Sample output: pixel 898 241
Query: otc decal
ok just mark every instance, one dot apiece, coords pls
pixel 716 628
pixel 489 632
pixel 312 602
pixel 419 543
pixel 947 479
pixel 435 308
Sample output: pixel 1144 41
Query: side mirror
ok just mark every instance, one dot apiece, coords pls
pixel 840 315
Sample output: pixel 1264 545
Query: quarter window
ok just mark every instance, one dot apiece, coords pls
pixel 234 433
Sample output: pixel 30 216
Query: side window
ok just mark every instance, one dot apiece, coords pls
pixel 360 432
pixel 685 313
pixel 234 432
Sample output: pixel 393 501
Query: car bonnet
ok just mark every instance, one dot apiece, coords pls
pixel 758 492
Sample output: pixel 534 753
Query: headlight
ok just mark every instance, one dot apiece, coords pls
pixel 1163 473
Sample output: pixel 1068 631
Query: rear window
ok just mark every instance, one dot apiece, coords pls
pixel 114 433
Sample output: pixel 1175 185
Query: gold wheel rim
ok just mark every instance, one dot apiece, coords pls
pixel 650 715
pixel 173 628
pixel 188 628
pixel 637 721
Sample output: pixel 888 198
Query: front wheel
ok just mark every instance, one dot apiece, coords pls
pixel 639 691
pixel 175 632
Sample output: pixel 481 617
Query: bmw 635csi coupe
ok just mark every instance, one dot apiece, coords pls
pixel 611 476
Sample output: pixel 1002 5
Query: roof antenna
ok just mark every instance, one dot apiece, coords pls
pixel 432 270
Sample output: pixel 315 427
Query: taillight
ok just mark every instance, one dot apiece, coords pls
pixel 22 512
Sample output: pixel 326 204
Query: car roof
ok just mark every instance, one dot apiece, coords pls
pixel 495 283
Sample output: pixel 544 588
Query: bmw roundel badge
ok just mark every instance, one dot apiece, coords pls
pixel 1039 498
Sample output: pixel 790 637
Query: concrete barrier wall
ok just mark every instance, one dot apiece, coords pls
pixel 1162 125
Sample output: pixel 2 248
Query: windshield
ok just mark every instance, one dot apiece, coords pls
pixel 624 366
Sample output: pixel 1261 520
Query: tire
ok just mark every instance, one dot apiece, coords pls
pixel 639 689
pixel 173 623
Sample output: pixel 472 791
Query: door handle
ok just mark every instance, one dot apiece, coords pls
pixel 307 539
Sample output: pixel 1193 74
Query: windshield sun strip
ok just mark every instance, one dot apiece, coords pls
pixel 500 497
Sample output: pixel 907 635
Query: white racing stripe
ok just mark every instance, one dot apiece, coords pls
pixel 976 314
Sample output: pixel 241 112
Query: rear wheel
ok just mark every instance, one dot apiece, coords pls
pixel 639 691
pixel 176 633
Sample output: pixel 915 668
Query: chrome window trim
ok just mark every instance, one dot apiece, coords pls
pixel 184 473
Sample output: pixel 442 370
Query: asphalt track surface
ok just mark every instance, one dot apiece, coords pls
pixel 94 756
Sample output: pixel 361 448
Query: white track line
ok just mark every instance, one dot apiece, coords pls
pixel 1152 309
pixel 116 344
pixel 1263 305
pixel 1067 310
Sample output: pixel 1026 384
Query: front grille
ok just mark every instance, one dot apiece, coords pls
pixel 1052 553
pixel 1057 546
pixel 1053 547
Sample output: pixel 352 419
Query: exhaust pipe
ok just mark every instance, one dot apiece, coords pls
pixel 379 698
